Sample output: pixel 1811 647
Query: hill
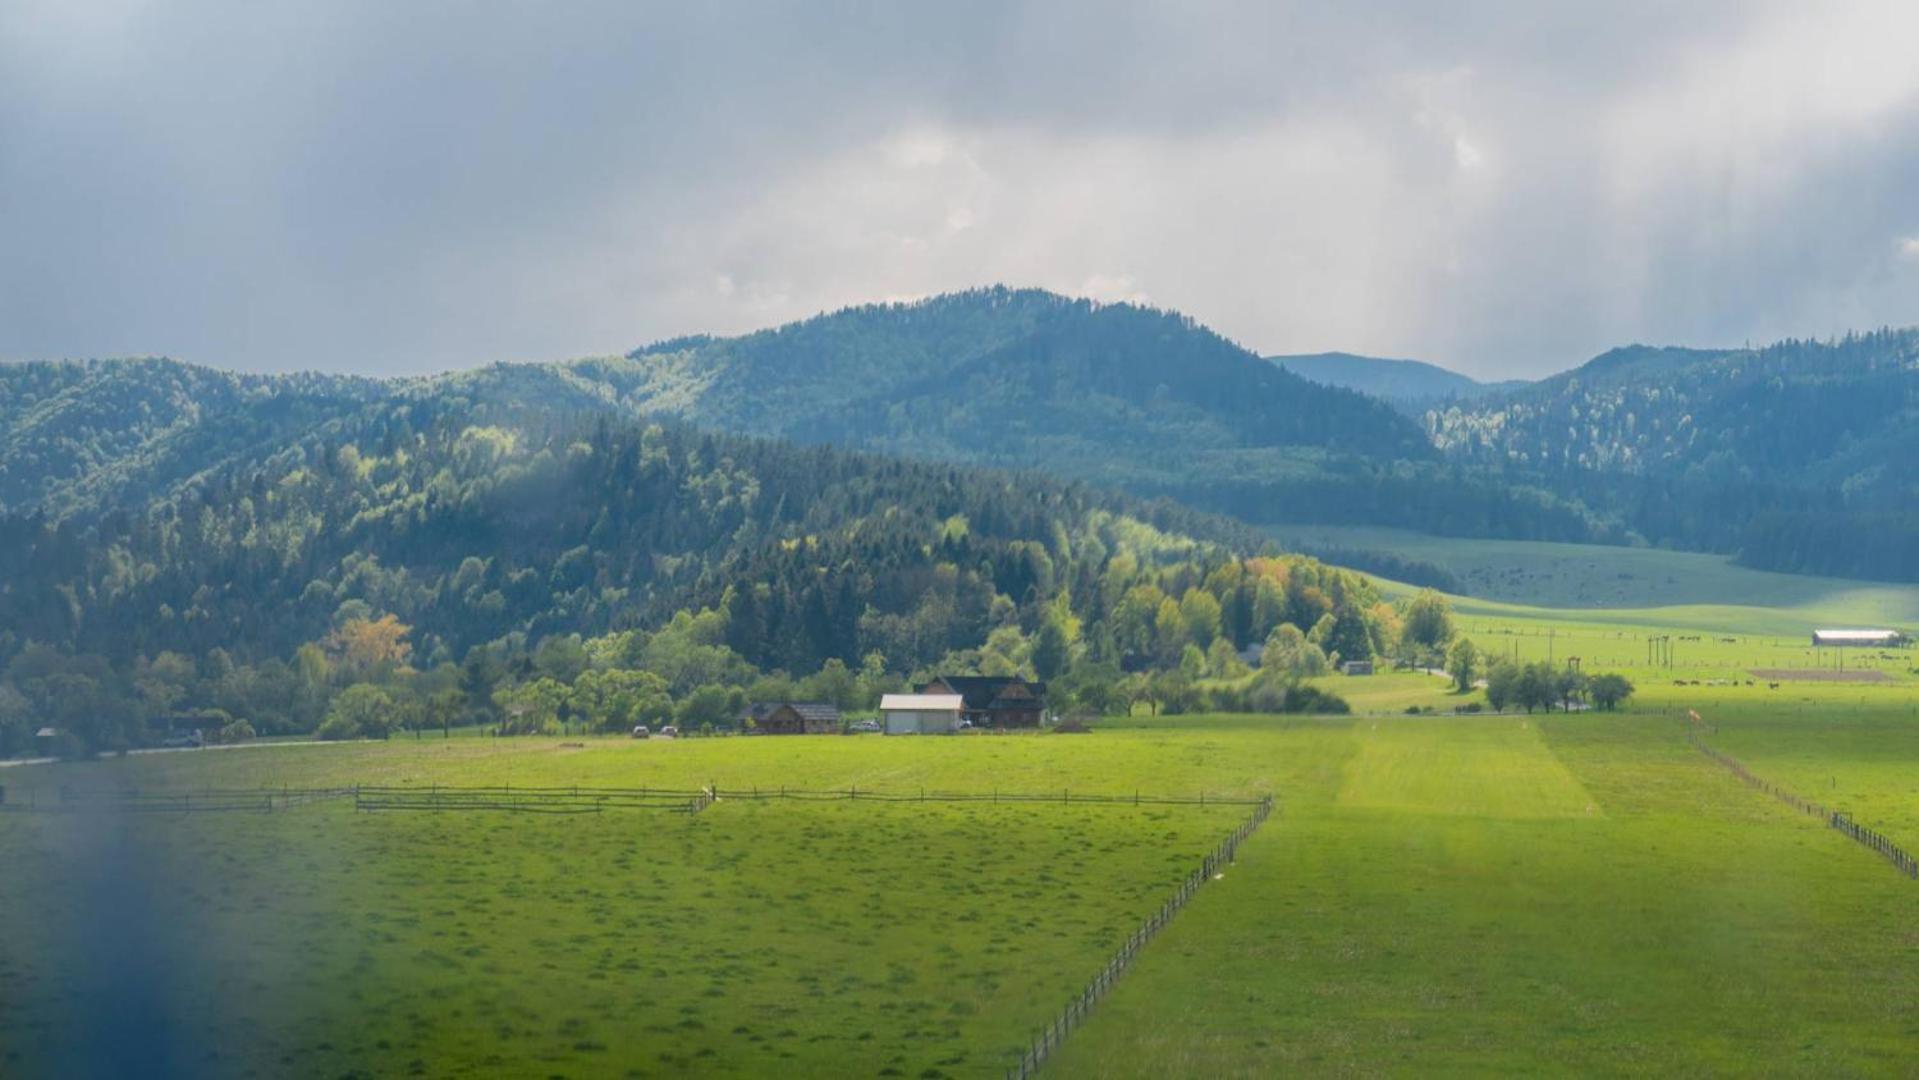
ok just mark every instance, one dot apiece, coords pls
pixel 1116 394
pixel 1412 386
pixel 421 544
pixel 1792 455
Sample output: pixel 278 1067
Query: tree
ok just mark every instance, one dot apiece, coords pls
pixel 1462 663
pixel 370 649
pixel 833 684
pixel 445 708
pixel 1428 622
pixel 1200 611
pixel 561 658
pixel 1223 661
pixel 709 705
pixel 1569 686
pixel 1288 653
pixel 1174 692
pixel 1169 632
pixel 616 700
pixel 1609 690
pixel 361 711
pixel 1502 684
pixel 531 708
pixel 1050 650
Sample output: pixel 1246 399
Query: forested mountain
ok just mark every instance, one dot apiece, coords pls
pixel 403 551
pixel 1798 455
pixel 1117 394
pixel 1411 386
pixel 79 436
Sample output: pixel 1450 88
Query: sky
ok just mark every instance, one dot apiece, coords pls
pixel 1505 189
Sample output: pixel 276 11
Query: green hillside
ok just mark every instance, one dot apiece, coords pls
pixel 1121 395
pixel 1793 456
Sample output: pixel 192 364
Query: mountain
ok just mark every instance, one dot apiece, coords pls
pixel 1116 394
pixel 1796 455
pixel 81 436
pixel 1411 386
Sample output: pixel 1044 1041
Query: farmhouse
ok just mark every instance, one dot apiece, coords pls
pixel 996 701
pixel 1827 639
pixel 921 714
pixel 794 718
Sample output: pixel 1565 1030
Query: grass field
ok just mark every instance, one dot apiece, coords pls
pixel 1437 895
pixel 1589 576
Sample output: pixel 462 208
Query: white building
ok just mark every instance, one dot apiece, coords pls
pixel 1862 638
pixel 921 714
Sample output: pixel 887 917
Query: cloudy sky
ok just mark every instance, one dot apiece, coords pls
pixel 402 187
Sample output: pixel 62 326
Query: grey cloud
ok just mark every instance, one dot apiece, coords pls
pixel 404 187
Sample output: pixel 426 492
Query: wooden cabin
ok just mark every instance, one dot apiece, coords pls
pixel 994 701
pixel 794 718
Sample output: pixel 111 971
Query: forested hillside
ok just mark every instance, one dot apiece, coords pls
pixel 1797 455
pixel 79 436
pixel 1117 394
pixel 407 555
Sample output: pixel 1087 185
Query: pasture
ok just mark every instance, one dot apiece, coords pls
pixel 1570 577
pixel 1437 894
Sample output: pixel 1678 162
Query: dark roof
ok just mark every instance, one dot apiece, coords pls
pixel 981 691
pixel 808 710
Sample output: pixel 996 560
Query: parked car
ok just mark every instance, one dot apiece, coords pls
pixel 184 740
pixel 669 732
pixel 867 725
pixel 640 731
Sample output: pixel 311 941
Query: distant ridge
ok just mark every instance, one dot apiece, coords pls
pixel 1411 386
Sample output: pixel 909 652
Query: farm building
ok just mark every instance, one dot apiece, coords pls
pixel 921 714
pixel 794 718
pixel 995 701
pixel 1356 667
pixel 1828 639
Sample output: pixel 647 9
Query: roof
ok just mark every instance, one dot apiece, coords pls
pixel 1858 635
pixel 46 733
pixel 982 691
pixel 921 703
pixel 807 710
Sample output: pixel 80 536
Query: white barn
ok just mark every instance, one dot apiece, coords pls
pixel 921 714
pixel 1859 638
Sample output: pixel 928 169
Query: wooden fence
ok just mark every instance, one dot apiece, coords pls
pixel 1048 1039
pixel 68 800
pixel 574 799
pixel 1901 859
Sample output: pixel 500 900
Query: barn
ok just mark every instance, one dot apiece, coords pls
pixel 995 701
pixel 794 718
pixel 1861 639
pixel 921 714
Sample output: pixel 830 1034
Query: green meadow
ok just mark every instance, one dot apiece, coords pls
pixel 1436 895
pixel 1693 589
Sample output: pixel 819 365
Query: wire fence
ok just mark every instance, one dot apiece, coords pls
pixel 1049 1038
pixel 1900 858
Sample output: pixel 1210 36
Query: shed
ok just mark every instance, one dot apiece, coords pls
pixel 921 714
pixel 1356 667
pixel 1827 639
